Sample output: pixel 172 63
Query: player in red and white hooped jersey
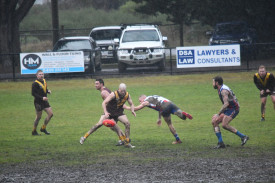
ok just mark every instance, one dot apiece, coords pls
pixel 165 108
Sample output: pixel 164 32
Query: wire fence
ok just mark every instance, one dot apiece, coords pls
pixel 251 57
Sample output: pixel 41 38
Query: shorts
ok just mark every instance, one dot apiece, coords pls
pixel 41 106
pixel 114 117
pixel 231 112
pixel 170 109
pixel 266 94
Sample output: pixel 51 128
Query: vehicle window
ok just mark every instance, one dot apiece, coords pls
pixel 109 34
pixel 70 45
pixel 140 35
pixel 230 29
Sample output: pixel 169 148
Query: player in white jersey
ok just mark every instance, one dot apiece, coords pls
pixel 165 108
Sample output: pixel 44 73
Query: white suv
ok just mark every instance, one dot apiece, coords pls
pixel 141 45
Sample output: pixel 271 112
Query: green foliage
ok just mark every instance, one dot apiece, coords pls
pixel 77 106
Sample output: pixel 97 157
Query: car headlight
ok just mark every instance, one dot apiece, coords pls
pixel 157 50
pixel 86 59
pixel 123 51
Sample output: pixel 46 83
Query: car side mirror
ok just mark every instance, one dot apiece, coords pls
pixel 164 38
pixel 208 33
pixel 116 40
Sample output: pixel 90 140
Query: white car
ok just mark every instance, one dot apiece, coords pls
pixel 141 45
pixel 104 37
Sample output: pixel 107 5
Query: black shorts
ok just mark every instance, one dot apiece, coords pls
pixel 170 109
pixel 115 117
pixel 266 94
pixel 42 105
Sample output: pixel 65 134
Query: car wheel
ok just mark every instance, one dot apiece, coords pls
pixel 121 66
pixel 98 67
pixel 162 65
pixel 91 68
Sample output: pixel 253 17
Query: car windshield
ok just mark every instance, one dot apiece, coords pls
pixel 71 45
pixel 107 34
pixel 140 35
pixel 230 28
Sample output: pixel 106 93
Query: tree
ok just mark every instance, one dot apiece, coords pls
pixel 12 13
pixel 178 11
pixel 259 14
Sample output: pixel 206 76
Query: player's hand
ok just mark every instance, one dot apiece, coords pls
pixel 49 91
pixel 107 115
pixel 45 99
pixel 159 122
pixel 215 117
pixel 267 91
pixel 262 92
pixel 133 112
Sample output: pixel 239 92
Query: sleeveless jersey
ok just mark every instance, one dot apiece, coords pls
pixel 232 99
pixel 157 103
pixel 115 106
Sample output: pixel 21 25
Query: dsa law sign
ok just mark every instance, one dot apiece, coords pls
pixel 52 62
pixel 208 56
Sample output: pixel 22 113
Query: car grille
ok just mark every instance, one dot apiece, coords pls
pixel 140 51
pixel 228 41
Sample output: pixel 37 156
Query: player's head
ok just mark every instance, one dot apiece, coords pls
pixel 217 81
pixel 99 83
pixel 40 75
pixel 141 98
pixel 262 71
pixel 122 89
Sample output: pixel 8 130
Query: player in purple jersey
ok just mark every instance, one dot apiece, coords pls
pixel 229 110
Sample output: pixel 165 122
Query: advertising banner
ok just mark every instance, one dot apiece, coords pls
pixel 208 56
pixel 52 62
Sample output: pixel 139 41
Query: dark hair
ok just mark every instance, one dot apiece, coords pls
pixel 218 79
pixel 100 81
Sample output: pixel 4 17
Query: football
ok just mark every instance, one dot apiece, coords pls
pixel 109 123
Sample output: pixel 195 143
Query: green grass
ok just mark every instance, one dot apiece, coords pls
pixel 77 106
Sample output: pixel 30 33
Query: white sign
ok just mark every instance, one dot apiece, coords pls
pixel 208 56
pixel 52 62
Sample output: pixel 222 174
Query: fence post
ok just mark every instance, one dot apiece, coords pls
pixel 171 67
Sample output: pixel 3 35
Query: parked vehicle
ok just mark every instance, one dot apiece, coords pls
pixel 104 37
pixel 141 45
pixel 237 32
pixel 92 54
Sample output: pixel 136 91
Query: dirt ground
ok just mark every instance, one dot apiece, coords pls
pixel 191 170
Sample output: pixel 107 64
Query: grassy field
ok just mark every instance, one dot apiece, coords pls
pixel 77 106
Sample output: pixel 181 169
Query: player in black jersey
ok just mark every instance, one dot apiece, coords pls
pixel 265 82
pixel 39 92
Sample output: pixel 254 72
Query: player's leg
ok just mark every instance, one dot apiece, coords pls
pixel 263 103
pixel 36 121
pixel 273 99
pixel 93 129
pixel 216 120
pixel 120 134
pixel 49 112
pixel 225 124
pixel 181 114
pixel 172 129
pixel 123 119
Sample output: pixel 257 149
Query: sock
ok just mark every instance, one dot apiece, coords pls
pixel 43 127
pixel 262 115
pixel 34 129
pixel 219 135
pixel 240 134
pixel 122 137
pixel 86 135
pixel 177 137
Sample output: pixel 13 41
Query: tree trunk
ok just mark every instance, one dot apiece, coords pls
pixel 11 14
